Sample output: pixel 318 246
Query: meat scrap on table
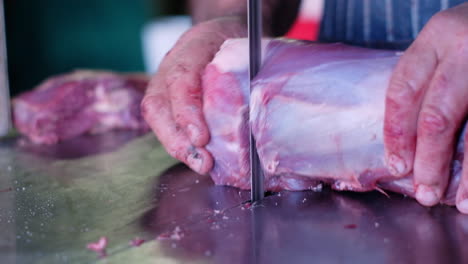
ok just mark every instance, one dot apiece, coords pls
pixel 99 247
pixel 69 105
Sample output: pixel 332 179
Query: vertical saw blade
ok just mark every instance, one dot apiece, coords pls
pixel 255 60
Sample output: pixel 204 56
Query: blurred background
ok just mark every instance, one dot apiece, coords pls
pixel 49 37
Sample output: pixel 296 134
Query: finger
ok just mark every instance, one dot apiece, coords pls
pixel 192 52
pixel 441 114
pixel 157 112
pixel 183 81
pixel 462 192
pixel 403 99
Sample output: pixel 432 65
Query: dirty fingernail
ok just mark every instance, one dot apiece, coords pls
pixel 193 132
pixel 426 195
pixel 195 161
pixel 463 206
pixel 396 165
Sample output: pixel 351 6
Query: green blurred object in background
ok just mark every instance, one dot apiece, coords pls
pixel 47 37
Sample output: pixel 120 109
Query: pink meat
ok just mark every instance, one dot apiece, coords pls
pixel 69 105
pixel 317 116
pixel 99 246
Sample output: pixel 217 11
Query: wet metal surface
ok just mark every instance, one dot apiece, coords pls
pixel 51 206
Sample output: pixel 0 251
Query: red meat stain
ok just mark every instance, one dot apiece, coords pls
pixel 136 242
pixel 6 190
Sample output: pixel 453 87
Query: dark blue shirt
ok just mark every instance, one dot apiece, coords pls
pixel 378 23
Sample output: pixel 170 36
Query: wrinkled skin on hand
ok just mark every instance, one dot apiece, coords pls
pixel 172 105
pixel 426 106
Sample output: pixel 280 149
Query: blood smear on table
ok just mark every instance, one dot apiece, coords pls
pixel 136 242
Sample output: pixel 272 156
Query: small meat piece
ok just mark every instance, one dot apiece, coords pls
pixel 99 246
pixel 350 226
pixel 317 114
pixel 176 234
pixel 136 242
pixel 70 105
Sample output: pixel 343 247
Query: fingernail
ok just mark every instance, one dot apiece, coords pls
pixel 193 132
pixel 195 161
pixel 396 165
pixel 463 206
pixel 426 195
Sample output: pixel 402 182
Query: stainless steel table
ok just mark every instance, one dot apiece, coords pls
pixel 54 200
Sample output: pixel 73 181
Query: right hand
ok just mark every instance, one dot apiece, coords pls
pixel 172 105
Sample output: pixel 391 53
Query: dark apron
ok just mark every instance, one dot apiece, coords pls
pixel 390 24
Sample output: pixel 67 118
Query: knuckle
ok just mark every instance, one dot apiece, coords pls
pixel 445 19
pixel 181 119
pixel 451 20
pixel 145 107
pixel 175 153
pixel 433 122
pixel 461 47
pixel 440 82
pixel 183 76
pixel 178 152
pixel 402 89
pixel 180 68
pixel 150 105
pixel 392 129
pixel 439 18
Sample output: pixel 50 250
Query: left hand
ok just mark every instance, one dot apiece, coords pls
pixel 427 104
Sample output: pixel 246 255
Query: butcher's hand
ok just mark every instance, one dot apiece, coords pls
pixel 172 105
pixel 426 105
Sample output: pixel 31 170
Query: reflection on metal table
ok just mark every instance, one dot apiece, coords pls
pixel 55 200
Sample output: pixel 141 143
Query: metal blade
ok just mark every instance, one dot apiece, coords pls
pixel 5 120
pixel 255 60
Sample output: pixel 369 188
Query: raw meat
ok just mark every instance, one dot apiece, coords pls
pixel 99 247
pixel 69 105
pixel 136 242
pixel 317 116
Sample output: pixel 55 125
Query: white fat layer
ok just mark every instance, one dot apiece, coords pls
pixel 233 55
pixel 112 102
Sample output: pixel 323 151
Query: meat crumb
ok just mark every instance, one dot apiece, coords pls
pixel 215 227
pixel 136 242
pixel 6 190
pixel 99 247
pixel 317 188
pixel 350 226
pixel 176 234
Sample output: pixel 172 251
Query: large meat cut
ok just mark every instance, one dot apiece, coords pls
pixel 69 105
pixel 317 115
